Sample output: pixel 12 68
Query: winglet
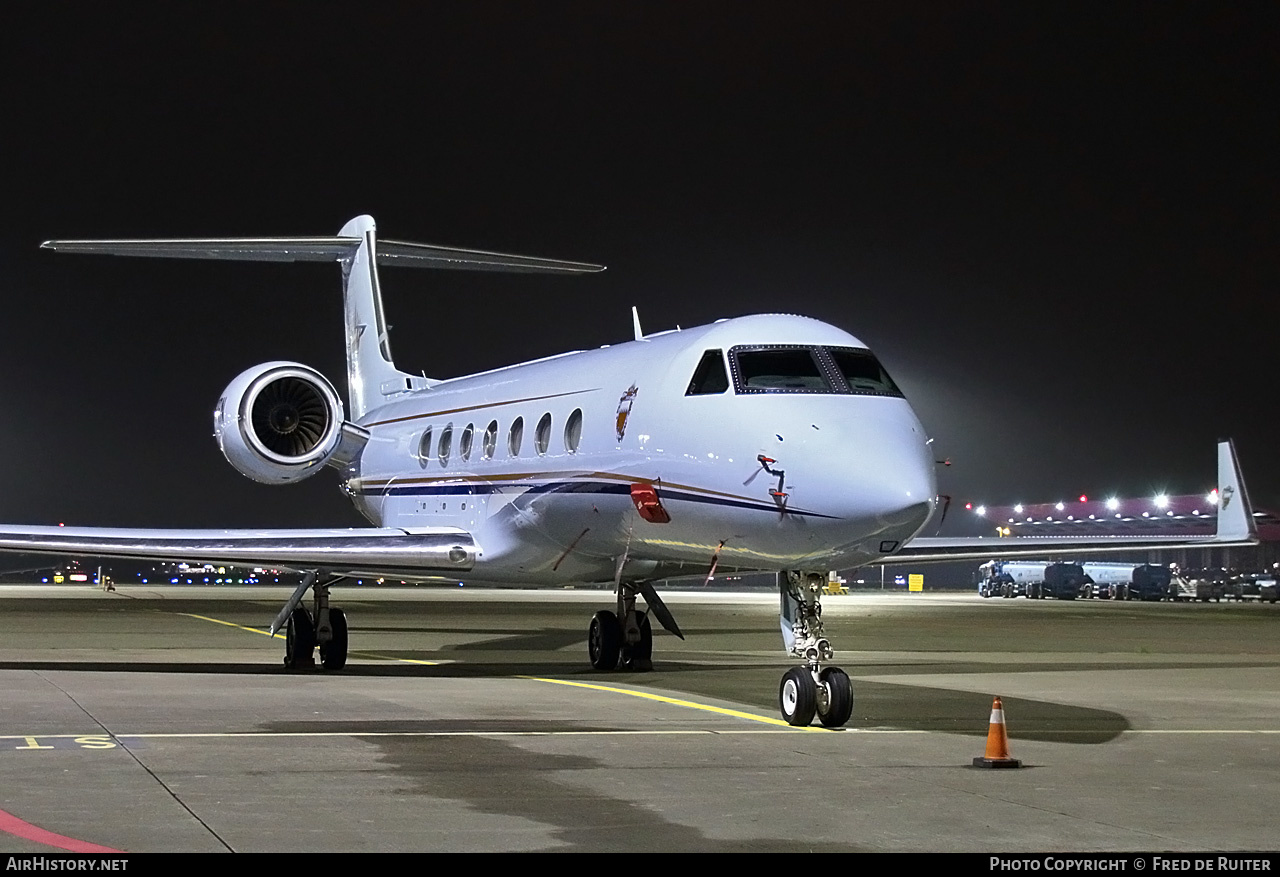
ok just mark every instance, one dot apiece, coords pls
pixel 635 323
pixel 1235 513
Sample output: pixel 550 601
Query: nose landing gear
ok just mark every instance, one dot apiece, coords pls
pixel 811 689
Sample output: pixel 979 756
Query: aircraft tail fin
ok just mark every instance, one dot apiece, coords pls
pixel 1235 513
pixel 371 373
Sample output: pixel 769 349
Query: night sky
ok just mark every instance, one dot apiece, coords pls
pixel 1055 223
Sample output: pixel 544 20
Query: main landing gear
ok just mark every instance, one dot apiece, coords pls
pixel 624 639
pixel 811 689
pixel 325 627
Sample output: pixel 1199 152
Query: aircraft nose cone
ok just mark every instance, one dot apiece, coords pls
pixel 909 519
pixel 890 483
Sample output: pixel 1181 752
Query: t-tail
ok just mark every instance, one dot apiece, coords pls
pixel 372 376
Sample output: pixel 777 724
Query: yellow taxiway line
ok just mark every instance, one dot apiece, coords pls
pixel 689 704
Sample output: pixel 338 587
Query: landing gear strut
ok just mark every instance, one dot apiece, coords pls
pixel 325 627
pixel 811 689
pixel 624 639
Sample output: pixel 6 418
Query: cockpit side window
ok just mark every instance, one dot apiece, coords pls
pixel 778 369
pixel 710 376
pixel 863 372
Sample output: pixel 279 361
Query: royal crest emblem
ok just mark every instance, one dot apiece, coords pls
pixel 624 410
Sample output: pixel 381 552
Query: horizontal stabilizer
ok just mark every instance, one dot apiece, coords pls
pixel 321 249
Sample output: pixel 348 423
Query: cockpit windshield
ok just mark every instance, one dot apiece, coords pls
pixel 782 368
pixel 779 369
pixel 862 372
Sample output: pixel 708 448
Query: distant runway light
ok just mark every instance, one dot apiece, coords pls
pixel 1113 504
pixel 1162 501
pixel 1059 506
pixel 1018 508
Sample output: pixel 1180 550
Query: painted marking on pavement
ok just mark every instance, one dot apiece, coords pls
pixel 370 655
pixel 11 824
pixel 737 714
pixel 31 742
pixel 64 741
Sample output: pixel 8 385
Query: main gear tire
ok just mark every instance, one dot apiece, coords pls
pixel 604 640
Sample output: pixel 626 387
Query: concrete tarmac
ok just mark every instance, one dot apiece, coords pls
pixel 161 719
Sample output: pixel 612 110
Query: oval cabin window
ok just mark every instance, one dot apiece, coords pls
pixel 515 437
pixel 573 431
pixel 542 436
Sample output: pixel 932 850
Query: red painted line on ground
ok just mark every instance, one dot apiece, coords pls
pixel 17 827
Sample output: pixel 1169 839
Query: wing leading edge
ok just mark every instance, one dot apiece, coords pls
pixel 386 551
pixel 1235 526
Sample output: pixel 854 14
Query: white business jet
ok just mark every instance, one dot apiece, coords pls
pixel 758 443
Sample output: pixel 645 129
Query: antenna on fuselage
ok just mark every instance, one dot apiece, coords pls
pixel 635 323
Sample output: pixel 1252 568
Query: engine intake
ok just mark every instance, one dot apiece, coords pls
pixel 279 422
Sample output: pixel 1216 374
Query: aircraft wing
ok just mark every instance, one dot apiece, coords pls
pixel 409 553
pixel 1235 526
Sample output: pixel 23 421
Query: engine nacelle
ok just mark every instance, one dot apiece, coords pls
pixel 279 422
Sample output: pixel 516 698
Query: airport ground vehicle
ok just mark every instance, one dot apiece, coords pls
pixel 1030 578
pixel 1243 586
pixel 1268 590
pixel 1126 581
pixel 1198 584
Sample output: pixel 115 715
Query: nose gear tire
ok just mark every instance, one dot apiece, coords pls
pixel 839 700
pixel 798 697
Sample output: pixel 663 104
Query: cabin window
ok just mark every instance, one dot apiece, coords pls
pixel 710 376
pixel 424 447
pixel 778 369
pixel 464 443
pixel 490 439
pixel 863 372
pixel 515 437
pixel 542 435
pixel 573 431
pixel 446 444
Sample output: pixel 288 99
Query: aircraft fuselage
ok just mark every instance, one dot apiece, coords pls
pixel 778 475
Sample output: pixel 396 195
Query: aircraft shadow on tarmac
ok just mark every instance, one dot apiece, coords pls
pixel 877 705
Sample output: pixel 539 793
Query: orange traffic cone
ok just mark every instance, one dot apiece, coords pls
pixel 997 742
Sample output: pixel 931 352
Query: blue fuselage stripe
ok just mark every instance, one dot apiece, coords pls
pixel 589 487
